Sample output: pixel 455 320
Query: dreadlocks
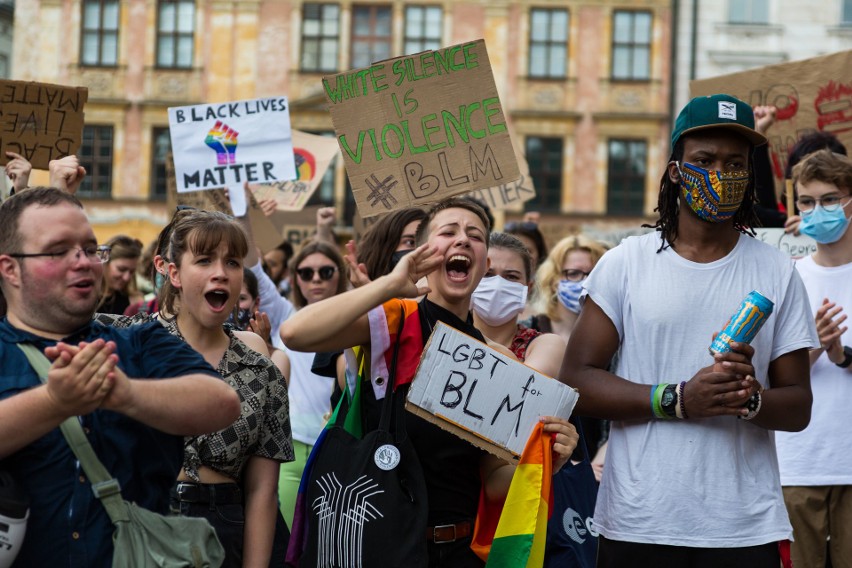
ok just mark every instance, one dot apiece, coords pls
pixel 668 204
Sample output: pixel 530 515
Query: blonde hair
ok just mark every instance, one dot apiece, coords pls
pixel 550 272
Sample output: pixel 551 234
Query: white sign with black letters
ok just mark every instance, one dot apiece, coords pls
pixel 482 395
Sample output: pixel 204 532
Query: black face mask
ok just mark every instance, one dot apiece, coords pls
pixel 242 322
pixel 396 257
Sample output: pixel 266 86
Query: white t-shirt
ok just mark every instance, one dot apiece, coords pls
pixel 710 482
pixel 310 398
pixel 819 455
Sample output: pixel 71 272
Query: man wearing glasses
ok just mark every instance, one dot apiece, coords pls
pixel 816 465
pixel 691 477
pixel 136 391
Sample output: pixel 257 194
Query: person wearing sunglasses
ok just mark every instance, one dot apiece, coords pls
pixel 320 273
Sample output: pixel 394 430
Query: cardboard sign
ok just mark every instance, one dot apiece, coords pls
pixel 796 246
pixel 313 156
pixel 226 144
pixel 509 196
pixel 810 95
pixel 419 128
pixel 40 121
pixel 481 395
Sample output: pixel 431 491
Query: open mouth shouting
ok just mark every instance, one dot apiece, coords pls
pixel 458 268
pixel 217 299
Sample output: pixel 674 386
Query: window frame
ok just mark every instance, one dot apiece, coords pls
pixel 100 32
pixel 846 13
pixel 618 199
pixel 549 44
pixel 543 177
pixel 750 7
pixel 423 40
pixel 176 35
pixel 92 163
pixel 319 39
pixel 632 45
pixel 372 38
pixel 157 163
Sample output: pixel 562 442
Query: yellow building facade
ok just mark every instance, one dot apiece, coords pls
pixel 585 85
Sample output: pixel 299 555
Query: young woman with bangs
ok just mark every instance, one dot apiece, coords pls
pixel 452 255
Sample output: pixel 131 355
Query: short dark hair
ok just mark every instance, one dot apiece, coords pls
pixel 250 280
pixel 380 241
pixel 531 231
pixel 12 209
pixel 810 143
pixel 452 203
pixel 287 248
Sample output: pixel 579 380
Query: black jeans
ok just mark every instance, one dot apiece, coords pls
pixel 453 555
pixel 228 520
pixel 618 554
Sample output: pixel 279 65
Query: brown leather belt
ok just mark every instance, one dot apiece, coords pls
pixel 443 534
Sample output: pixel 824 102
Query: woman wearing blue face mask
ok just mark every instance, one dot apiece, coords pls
pixel 500 298
pixel 559 283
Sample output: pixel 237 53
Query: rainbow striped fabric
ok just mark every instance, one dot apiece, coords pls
pixel 522 530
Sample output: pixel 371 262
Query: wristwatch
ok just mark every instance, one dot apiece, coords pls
pixel 847 360
pixel 668 402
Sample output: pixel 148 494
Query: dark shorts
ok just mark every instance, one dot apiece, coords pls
pixel 619 554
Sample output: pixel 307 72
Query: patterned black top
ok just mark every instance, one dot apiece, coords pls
pixel 263 428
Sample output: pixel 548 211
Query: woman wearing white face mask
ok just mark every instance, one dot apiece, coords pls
pixel 559 283
pixel 499 300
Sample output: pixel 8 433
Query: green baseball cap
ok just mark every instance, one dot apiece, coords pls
pixel 717 111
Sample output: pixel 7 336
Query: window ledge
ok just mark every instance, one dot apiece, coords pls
pixel 843 30
pixel 750 28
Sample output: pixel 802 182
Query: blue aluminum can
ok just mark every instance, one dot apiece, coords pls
pixel 744 325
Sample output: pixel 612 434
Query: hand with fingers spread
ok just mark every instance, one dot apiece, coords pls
pixel 565 439
pixel 357 270
pixel 723 388
pixel 18 170
pixel 81 376
pixel 829 318
pixel 402 280
pixel 260 325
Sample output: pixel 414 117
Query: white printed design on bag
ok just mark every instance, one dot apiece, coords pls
pixel 575 527
pixel 342 513
pixel 727 110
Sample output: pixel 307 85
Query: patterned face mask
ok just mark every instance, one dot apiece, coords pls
pixel 713 196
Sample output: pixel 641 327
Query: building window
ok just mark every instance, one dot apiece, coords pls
pixel 748 11
pixel 99 45
pixel 371 35
pixel 422 28
pixel 548 43
pixel 846 17
pixel 175 33
pixel 544 156
pixel 96 157
pixel 631 46
pixel 626 177
pixel 320 37
pixel 161 146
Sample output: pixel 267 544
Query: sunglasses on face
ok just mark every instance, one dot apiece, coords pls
pixel 325 273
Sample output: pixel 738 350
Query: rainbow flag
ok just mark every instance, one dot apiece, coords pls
pixel 522 530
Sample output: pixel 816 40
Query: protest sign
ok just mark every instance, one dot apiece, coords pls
pixel 810 95
pixel 418 128
pixel 227 144
pixel 313 156
pixel 796 246
pixel 481 395
pixel 40 121
pixel 508 196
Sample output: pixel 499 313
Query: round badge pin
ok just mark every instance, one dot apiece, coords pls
pixel 387 457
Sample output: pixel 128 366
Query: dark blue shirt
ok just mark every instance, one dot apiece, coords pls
pixel 68 526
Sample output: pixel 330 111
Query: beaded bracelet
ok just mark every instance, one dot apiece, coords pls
pixel 753 406
pixel 680 409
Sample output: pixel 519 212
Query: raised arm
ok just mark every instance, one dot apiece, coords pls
pixel 340 322
pixel 66 173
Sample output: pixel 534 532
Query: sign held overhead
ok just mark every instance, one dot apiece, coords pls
pixel 481 395
pixel 416 129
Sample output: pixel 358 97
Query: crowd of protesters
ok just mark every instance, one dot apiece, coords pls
pixel 206 369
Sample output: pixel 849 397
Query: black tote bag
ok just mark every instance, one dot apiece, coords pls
pixel 366 498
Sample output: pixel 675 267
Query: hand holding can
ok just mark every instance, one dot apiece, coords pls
pixel 743 326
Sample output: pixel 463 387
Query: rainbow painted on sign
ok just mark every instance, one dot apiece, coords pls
pixel 306 164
